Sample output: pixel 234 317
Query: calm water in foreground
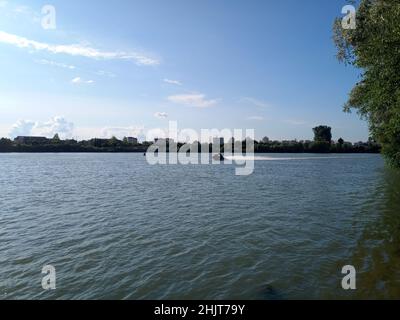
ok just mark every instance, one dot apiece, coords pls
pixel 117 228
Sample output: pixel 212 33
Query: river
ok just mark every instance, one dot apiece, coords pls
pixel 115 227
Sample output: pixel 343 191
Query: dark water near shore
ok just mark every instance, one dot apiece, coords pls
pixel 116 228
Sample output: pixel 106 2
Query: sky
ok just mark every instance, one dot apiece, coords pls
pixel 123 67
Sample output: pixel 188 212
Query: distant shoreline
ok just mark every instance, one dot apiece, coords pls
pixel 143 152
pixel 29 144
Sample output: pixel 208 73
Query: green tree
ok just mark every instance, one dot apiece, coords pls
pixel 373 47
pixel 56 139
pixel 265 140
pixel 6 145
pixel 114 142
pixel 323 134
pixel 5 142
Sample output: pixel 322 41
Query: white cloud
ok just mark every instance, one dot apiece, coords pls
pixel 56 125
pixel 76 50
pixel 194 100
pixel 255 102
pixel 105 73
pixel 255 118
pixel 55 64
pixel 175 82
pixel 79 80
pixel 3 3
pixel 161 115
pixel 48 129
pixel 22 128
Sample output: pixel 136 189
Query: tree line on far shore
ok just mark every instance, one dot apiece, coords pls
pixel 322 143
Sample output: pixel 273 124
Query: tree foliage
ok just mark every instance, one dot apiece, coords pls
pixel 56 139
pixel 374 47
pixel 323 134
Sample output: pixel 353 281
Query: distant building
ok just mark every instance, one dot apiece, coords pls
pixel 132 140
pixel 30 140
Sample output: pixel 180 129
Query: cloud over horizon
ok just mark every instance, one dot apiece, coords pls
pixel 22 128
pixel 48 129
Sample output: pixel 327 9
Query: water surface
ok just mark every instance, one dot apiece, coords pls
pixel 116 228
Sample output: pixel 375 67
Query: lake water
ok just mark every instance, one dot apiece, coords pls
pixel 115 227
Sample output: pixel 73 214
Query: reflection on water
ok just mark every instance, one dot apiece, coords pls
pixel 378 251
pixel 376 255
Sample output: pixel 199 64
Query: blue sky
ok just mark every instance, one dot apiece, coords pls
pixel 122 67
